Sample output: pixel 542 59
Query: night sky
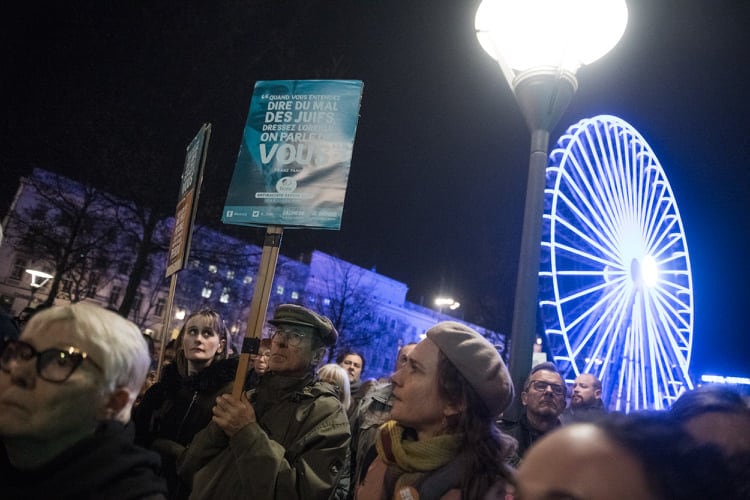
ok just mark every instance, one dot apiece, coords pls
pixel 112 93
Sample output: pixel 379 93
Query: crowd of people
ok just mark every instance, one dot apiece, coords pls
pixel 80 419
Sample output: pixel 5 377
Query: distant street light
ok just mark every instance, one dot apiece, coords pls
pixel 443 302
pixel 38 280
pixel 539 45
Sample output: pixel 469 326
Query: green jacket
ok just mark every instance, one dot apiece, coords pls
pixel 295 450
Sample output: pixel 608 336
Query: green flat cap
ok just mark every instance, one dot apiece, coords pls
pixel 293 314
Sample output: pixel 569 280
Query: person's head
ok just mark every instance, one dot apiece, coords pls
pixel 338 377
pixel 201 341
pixel 641 456
pixel 353 363
pixel 587 391
pixel 170 351
pixel 715 414
pixel 27 313
pixel 299 341
pixel 151 349
pixel 8 327
pixel 403 354
pixel 452 376
pixel 544 393
pixel 260 362
pixel 72 367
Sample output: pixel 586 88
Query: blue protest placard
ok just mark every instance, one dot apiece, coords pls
pixel 296 151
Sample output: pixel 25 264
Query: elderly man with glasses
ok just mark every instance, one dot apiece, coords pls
pixel 67 386
pixel 286 439
pixel 543 399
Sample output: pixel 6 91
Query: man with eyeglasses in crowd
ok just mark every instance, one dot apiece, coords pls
pixel 543 399
pixel 290 439
pixel 67 387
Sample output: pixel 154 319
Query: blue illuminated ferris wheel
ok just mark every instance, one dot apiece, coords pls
pixel 616 293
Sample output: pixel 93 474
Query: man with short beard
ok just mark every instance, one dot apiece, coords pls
pixel 543 399
pixel 586 402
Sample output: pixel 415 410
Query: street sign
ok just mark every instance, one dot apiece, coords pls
pixel 192 177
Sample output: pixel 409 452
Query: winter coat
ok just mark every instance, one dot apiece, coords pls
pixel 295 450
pixel 106 465
pixel 589 413
pixel 522 431
pixel 174 409
pixel 374 410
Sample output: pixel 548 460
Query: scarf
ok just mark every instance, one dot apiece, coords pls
pixel 413 459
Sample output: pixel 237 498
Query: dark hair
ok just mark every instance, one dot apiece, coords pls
pixel 150 343
pixel 219 327
pixel 597 383
pixel 345 353
pixel 707 399
pixel 546 366
pixel 265 343
pixel 675 466
pixel 484 449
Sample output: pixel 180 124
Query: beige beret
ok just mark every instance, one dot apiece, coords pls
pixel 477 360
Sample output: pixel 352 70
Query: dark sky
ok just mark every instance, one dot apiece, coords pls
pixel 104 91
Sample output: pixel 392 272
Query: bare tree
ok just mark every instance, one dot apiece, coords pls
pixel 349 303
pixel 66 225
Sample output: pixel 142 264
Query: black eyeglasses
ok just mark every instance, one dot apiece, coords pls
pixel 52 365
pixel 541 386
pixel 288 335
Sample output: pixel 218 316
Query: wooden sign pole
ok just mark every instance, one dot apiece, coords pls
pixel 258 305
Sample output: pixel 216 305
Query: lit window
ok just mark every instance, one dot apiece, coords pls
pixel 247 280
pixel 206 292
pixel 224 299
pixel 19 266
pixel 230 275
pixel 279 290
pixel 326 302
pixel 213 269
pixel 159 307
pixel 93 285
pixel 295 295
pixel 114 296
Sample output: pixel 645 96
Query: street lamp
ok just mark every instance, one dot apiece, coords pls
pixel 539 45
pixel 38 280
pixel 450 303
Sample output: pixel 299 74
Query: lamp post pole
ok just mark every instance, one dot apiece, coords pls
pixel 539 45
pixel 543 98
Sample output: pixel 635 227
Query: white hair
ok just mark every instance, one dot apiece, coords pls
pixel 125 360
pixel 337 376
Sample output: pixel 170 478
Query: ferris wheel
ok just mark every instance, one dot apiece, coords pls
pixel 616 293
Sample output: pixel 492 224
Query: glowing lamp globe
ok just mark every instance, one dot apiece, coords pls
pixel 547 34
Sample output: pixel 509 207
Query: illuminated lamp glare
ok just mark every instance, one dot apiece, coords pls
pixel 549 33
pixel 649 271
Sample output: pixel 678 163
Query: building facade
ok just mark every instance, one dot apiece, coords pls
pixel 60 228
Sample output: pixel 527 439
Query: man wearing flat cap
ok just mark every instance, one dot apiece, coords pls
pixel 286 439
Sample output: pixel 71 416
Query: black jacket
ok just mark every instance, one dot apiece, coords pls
pixel 174 409
pixel 106 465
